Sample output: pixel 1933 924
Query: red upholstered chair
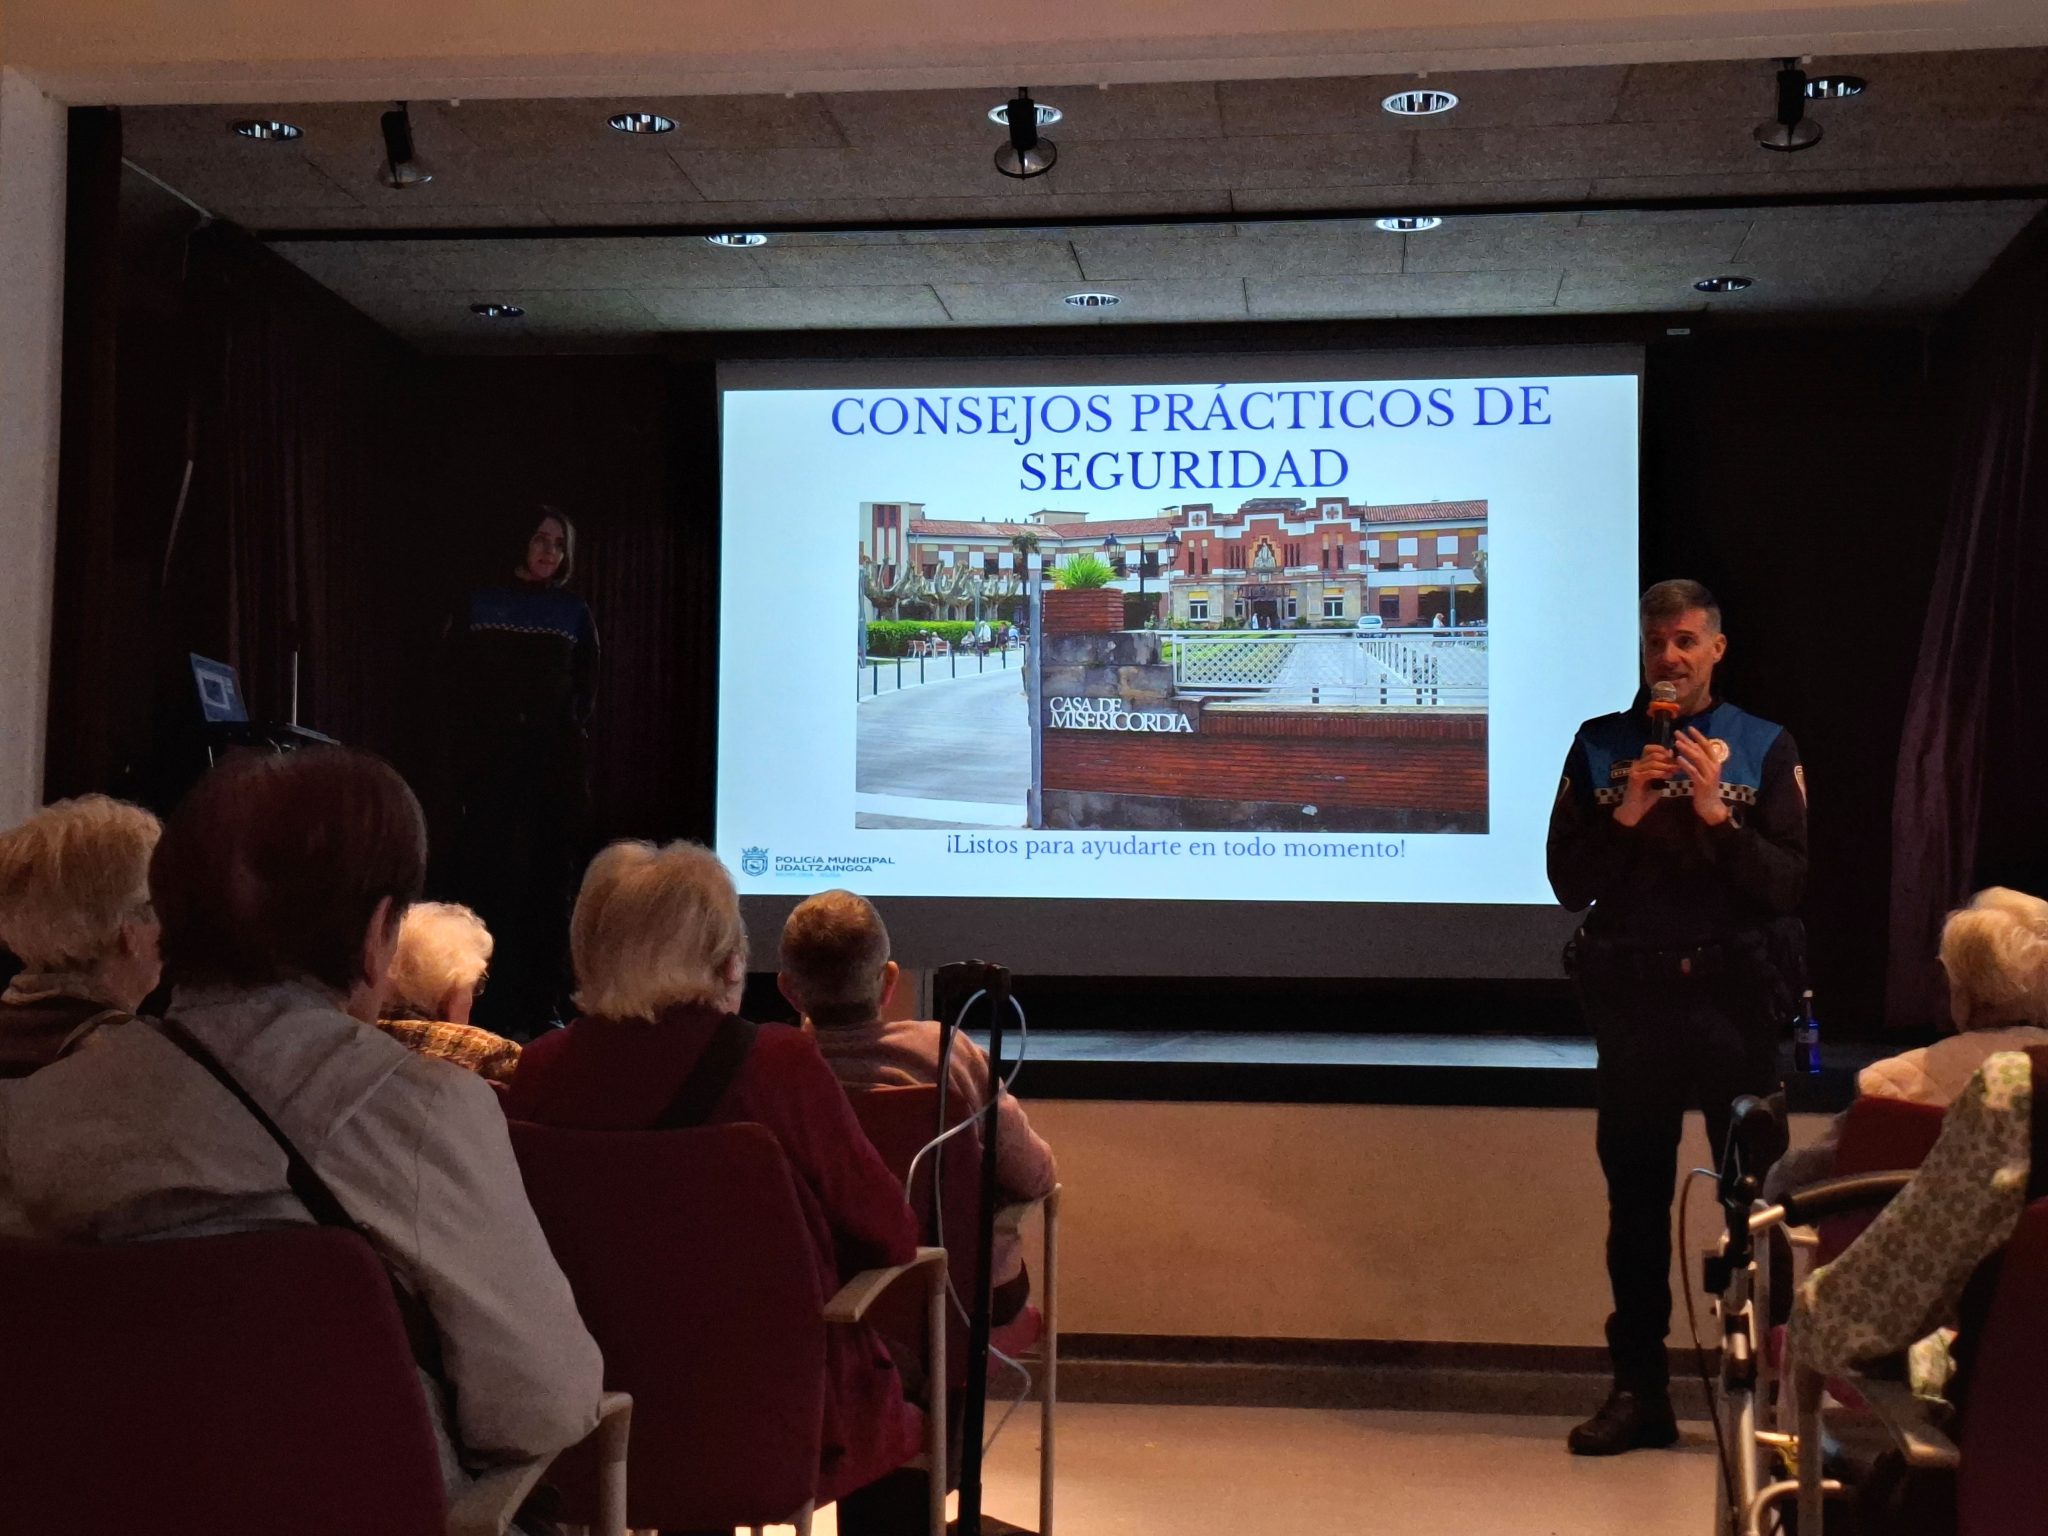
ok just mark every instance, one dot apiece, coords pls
pixel 1879 1135
pixel 693 1268
pixel 259 1381
pixel 2002 1485
pixel 900 1121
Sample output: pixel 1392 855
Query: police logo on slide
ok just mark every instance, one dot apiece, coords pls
pixel 754 861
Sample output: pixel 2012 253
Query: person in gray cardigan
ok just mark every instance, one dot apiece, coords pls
pixel 280 884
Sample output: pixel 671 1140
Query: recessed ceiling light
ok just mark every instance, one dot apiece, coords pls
pixel 1419 103
pixel 1729 284
pixel 1408 223
pixel 1835 87
pixel 999 114
pixel 642 122
pixel 736 242
pixel 1091 301
pixel 497 311
pixel 265 128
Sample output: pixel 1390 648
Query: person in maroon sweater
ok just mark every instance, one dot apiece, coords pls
pixel 661 955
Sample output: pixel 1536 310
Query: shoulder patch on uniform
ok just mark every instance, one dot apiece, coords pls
pixel 1799 778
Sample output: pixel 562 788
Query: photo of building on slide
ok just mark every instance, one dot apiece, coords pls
pixel 1282 665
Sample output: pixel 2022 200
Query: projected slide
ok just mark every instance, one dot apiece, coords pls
pixel 1290 640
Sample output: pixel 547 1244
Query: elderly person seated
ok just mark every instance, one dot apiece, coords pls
pixel 1910 1272
pixel 281 882
pixel 836 972
pixel 1995 951
pixel 661 961
pixel 444 951
pixel 74 909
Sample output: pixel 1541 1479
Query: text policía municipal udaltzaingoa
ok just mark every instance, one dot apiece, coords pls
pixel 1226 410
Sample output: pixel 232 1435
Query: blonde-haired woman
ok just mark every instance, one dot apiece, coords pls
pixel 74 909
pixel 1995 951
pixel 444 953
pixel 661 962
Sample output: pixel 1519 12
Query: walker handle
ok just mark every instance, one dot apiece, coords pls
pixel 1858 1191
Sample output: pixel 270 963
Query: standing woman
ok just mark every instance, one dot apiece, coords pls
pixel 524 688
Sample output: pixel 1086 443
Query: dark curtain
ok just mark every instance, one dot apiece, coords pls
pixel 596 436
pixel 1968 809
pixel 298 537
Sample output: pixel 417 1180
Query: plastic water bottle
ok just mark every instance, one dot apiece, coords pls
pixel 1806 1037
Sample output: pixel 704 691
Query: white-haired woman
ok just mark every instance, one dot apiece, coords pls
pixel 1995 951
pixel 444 953
pixel 74 909
pixel 661 961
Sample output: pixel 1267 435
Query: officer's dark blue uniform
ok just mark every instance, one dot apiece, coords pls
pixel 1684 965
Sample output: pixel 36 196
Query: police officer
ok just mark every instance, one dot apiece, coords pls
pixel 1692 858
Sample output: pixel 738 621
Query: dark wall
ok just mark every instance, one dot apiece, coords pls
pixel 1801 476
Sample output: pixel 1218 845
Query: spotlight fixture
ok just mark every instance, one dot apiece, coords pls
pixel 1792 129
pixel 1728 284
pixel 642 122
pixel 497 311
pixel 265 128
pixel 1408 223
pixel 733 241
pixel 1419 103
pixel 999 114
pixel 1835 87
pixel 1026 155
pixel 1091 301
pixel 402 168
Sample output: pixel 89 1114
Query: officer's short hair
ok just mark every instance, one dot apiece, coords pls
pixel 1668 599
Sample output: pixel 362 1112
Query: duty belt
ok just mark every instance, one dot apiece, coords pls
pixel 1607 959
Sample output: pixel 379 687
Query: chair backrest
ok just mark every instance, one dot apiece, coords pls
pixel 2002 1489
pixel 694 1269
pixel 1879 1135
pixel 900 1121
pixel 259 1381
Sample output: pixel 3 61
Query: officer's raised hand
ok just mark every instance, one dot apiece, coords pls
pixel 1646 776
pixel 1703 768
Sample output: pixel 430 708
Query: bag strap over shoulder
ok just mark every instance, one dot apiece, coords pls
pixel 320 1201
pixel 311 1189
pixel 719 1063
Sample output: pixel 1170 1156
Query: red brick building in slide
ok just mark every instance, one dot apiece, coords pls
pixel 1268 562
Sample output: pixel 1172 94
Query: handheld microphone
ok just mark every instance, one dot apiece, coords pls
pixel 1663 712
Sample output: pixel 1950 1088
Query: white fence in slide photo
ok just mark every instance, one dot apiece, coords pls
pixel 1443 668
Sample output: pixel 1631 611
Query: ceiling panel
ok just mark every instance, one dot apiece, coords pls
pixel 1818 261
pixel 1523 136
pixel 1495 98
pixel 1428 293
pixel 1009 261
pixel 1206 167
pixel 786 308
pixel 960 117
pixel 1152 300
pixel 1109 254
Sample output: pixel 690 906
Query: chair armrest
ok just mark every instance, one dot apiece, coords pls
pixel 854 1298
pixel 1011 1217
pixel 487 1506
pixel 1906 1416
